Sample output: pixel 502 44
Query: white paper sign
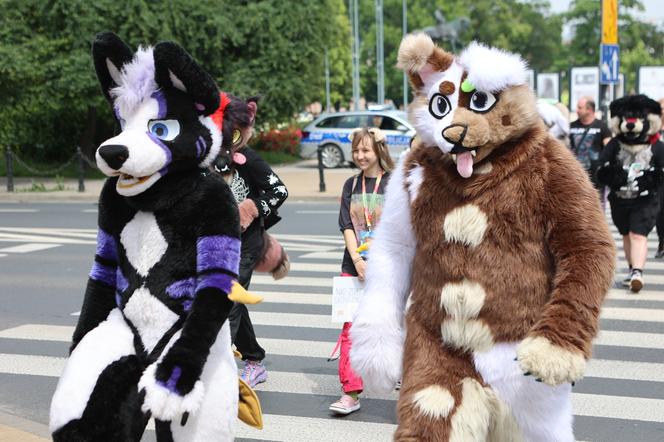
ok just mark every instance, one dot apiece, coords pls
pixel 346 295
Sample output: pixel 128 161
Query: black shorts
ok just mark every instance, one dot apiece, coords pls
pixel 636 216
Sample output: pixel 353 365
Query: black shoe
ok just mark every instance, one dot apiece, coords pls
pixel 660 250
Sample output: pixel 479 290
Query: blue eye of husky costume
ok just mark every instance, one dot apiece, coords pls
pixel 152 338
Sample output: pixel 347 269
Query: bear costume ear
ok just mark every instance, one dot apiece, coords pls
pixel 421 58
pixel 174 67
pixel 110 54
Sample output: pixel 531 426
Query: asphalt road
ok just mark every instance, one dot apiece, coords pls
pixel 46 251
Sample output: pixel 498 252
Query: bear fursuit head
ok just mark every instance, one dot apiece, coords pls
pixel 491 261
pixel 152 338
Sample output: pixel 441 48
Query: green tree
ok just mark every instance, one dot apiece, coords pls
pixel 50 97
pixel 525 27
pixel 640 43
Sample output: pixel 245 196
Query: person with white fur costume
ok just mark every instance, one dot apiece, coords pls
pixel 492 259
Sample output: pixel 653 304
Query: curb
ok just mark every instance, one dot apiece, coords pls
pixel 15 428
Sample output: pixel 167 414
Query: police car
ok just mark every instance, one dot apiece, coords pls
pixel 331 131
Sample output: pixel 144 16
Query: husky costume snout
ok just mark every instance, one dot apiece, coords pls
pixel 492 258
pixel 152 338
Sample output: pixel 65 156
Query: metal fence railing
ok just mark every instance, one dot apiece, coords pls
pixel 12 159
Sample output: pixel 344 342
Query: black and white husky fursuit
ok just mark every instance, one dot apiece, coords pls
pixel 152 338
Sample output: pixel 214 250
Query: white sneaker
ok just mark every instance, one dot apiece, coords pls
pixel 345 405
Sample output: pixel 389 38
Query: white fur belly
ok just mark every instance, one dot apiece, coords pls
pixel 543 413
pixel 143 241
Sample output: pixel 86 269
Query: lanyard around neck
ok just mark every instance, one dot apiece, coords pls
pixel 368 208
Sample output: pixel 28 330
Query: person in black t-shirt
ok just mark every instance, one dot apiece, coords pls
pixel 587 137
pixel 259 192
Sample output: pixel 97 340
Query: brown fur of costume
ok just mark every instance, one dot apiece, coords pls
pixel 506 274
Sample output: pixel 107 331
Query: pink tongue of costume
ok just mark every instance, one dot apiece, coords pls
pixel 465 164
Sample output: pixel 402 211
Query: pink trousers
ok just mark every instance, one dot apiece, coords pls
pixel 350 381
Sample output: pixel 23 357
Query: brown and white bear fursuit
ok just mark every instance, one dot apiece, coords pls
pixel 493 256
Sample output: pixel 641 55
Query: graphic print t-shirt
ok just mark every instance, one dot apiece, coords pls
pixel 586 141
pixel 351 212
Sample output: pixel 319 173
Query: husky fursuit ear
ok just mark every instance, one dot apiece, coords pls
pixel 436 78
pixel 170 111
pixel 174 67
pixel 110 54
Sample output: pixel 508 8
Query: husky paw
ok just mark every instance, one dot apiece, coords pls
pixel 162 398
pixel 376 355
pixel 548 362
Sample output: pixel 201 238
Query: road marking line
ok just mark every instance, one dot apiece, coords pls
pixel 313 267
pixel 27 248
pixel 300 281
pixel 633 314
pixel 333 256
pixel 318 212
pixel 318 349
pixel 615 407
pixel 18 210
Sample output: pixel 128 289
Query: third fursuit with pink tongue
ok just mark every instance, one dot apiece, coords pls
pixel 487 273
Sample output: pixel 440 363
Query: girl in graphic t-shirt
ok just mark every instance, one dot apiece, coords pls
pixel 361 206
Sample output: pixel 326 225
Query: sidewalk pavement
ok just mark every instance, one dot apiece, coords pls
pixel 15 429
pixel 301 180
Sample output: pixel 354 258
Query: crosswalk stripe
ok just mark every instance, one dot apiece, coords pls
pixel 618 407
pixel 294 298
pixel 14 237
pixel 332 256
pixel 29 247
pixel 294 428
pixel 638 371
pixel 328 385
pixel 322 349
pixel 643 295
pixel 630 339
pixel 316 267
pixel 298 281
pixel 633 314
pixel 18 210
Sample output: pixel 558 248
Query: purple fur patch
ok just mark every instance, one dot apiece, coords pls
pixel 159 143
pixel 219 281
pixel 182 288
pixel 161 101
pixel 203 147
pixel 121 282
pixel 118 299
pixel 218 252
pixel 102 273
pixel 106 246
pixel 171 383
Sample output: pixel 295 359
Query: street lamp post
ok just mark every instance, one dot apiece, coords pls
pixel 380 56
pixel 404 17
pixel 355 34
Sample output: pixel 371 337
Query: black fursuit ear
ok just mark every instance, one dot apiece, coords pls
pixel 110 54
pixel 635 104
pixel 174 67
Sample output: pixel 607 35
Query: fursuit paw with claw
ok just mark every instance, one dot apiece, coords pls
pixel 173 397
pixel 549 363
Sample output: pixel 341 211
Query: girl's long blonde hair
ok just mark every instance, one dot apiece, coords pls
pixel 378 143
